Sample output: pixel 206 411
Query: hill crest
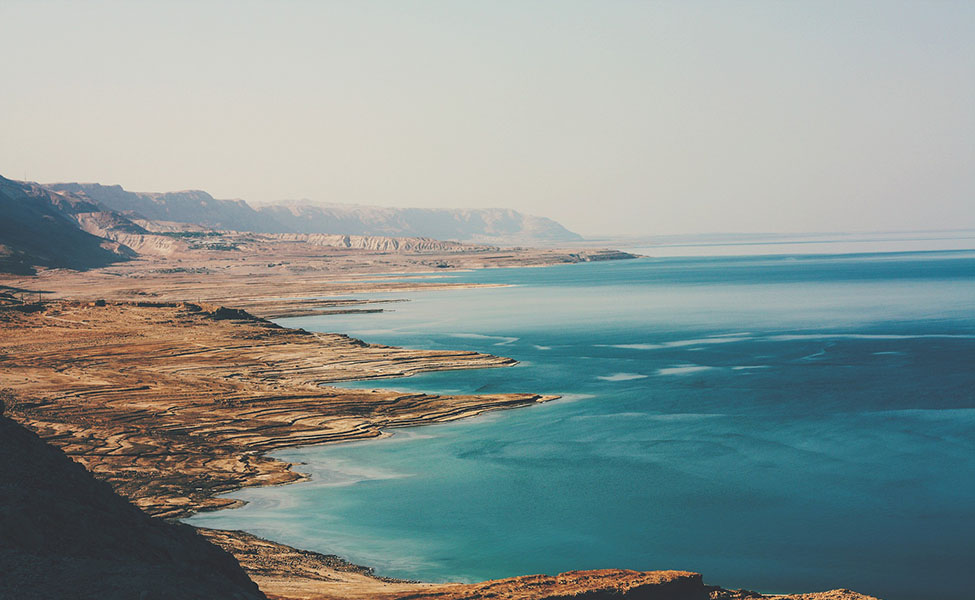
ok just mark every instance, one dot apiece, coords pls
pixel 483 225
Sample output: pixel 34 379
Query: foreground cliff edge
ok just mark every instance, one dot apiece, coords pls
pixel 63 534
pixel 174 403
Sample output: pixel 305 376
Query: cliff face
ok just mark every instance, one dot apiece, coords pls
pixel 41 228
pixel 64 534
pixel 375 243
pixel 485 225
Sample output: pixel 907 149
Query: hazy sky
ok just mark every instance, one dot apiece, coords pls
pixel 612 117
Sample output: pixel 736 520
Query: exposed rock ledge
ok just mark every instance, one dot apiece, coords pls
pixel 610 584
pixel 607 584
pixel 174 403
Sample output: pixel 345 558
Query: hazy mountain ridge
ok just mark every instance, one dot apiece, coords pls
pixel 483 225
pixel 39 227
pixel 83 226
pixel 489 225
pixel 188 206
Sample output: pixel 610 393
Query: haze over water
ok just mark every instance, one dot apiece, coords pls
pixel 782 423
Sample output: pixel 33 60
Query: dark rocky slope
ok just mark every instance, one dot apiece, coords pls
pixel 64 534
pixel 39 227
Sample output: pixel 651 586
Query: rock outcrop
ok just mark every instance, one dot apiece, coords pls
pixel 605 584
pixel 377 243
pixel 482 226
pixel 188 206
pixel 176 403
pixel 40 228
pixel 63 534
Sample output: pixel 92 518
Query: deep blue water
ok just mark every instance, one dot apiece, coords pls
pixel 783 423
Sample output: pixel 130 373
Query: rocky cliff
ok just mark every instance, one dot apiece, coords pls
pixel 188 206
pixel 39 227
pixel 63 534
pixel 486 225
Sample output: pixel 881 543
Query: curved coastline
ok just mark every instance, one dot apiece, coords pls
pixel 87 377
pixel 236 387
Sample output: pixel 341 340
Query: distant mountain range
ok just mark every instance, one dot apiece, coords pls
pixel 485 226
pixel 82 226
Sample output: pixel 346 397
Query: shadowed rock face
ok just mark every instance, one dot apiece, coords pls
pixel 64 534
pixel 40 228
pixel 189 206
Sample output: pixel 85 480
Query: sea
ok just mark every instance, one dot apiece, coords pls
pixel 781 416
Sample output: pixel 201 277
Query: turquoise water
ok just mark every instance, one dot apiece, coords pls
pixel 783 423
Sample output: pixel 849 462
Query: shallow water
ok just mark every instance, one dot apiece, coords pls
pixel 783 423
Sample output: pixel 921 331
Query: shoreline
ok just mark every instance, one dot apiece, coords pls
pixel 175 403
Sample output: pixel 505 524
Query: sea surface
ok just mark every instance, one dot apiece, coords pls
pixel 784 422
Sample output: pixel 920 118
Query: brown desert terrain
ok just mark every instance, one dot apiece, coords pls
pixel 174 403
pixel 275 276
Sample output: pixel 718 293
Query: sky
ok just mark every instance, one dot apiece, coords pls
pixel 612 117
